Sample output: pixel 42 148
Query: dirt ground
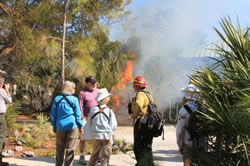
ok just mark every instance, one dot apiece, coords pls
pixel 48 146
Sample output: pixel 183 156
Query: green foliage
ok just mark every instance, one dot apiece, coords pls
pixel 32 43
pixel 51 153
pixel 34 136
pixel 122 146
pixel 42 120
pixel 12 111
pixel 89 146
pixel 225 95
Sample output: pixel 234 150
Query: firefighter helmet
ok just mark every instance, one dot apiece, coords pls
pixel 139 80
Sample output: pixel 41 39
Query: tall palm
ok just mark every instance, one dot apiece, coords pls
pixel 226 97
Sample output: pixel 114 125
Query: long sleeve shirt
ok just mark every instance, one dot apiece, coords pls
pixel 87 100
pixel 140 104
pixel 102 126
pixel 63 116
pixel 4 99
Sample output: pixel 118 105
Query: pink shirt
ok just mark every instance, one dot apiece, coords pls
pixel 87 100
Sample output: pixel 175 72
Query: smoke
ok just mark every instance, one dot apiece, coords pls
pixel 163 34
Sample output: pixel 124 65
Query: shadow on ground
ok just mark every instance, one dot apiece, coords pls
pixel 167 155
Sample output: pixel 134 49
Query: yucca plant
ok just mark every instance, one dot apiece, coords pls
pixel 225 91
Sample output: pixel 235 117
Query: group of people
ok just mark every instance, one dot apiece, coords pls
pixel 93 119
pixel 90 116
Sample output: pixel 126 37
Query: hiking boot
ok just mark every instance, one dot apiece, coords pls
pixel 4 163
pixel 82 161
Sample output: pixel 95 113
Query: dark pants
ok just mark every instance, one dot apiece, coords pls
pixel 142 146
pixel 66 140
pixel 3 127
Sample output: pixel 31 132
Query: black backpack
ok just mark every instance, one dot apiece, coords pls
pixel 153 120
pixel 193 123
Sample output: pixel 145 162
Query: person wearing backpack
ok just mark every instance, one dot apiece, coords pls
pixel 183 135
pixel 102 122
pixel 66 121
pixel 139 108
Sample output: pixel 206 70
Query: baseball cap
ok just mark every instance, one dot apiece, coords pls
pixel 90 79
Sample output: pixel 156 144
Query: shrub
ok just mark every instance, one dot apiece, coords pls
pixel 12 111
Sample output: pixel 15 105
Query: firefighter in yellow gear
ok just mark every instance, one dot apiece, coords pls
pixel 139 107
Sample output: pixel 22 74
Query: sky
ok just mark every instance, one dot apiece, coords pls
pixel 166 28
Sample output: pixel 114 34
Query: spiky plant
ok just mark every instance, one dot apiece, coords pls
pixel 226 97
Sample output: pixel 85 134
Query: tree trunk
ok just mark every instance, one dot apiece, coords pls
pixel 66 4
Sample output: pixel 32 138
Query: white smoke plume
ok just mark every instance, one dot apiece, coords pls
pixel 165 28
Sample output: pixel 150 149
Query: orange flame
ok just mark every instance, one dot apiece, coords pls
pixel 119 100
pixel 126 75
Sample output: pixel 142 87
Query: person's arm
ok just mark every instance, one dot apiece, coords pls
pixel 90 116
pixel 113 121
pixel 6 95
pixel 81 101
pixel 77 113
pixel 53 115
pixel 137 105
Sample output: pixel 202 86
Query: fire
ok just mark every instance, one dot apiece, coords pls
pixel 116 98
pixel 126 76
pixel 120 95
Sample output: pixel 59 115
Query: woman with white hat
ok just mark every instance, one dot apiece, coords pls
pixel 102 122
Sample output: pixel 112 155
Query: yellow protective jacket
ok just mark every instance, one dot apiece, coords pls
pixel 140 104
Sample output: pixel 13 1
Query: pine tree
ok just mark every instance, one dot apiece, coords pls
pixel 31 36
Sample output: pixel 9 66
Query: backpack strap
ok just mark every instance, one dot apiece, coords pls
pixel 190 112
pixel 188 109
pixel 65 98
pixel 147 94
pixel 101 111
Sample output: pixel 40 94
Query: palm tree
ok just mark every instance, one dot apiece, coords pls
pixel 226 97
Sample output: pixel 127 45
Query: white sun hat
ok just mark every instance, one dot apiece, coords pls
pixel 191 92
pixel 102 94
